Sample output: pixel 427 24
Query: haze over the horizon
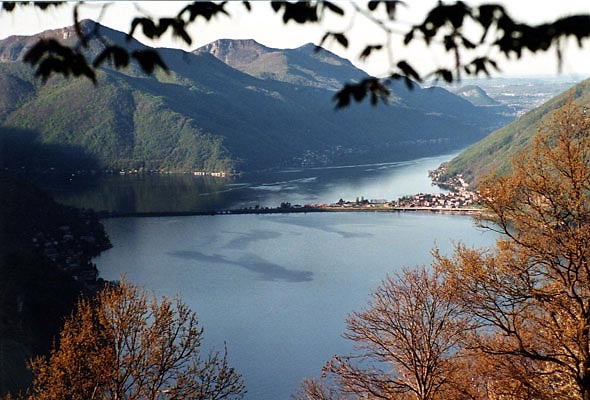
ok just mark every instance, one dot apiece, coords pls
pixel 262 25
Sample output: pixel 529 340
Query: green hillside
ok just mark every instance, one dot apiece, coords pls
pixel 494 152
pixel 207 115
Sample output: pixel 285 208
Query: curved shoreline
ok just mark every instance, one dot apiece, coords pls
pixel 297 210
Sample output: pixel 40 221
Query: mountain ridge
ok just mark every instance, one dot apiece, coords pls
pixel 264 62
pixel 207 115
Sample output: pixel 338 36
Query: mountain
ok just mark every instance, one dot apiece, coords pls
pixel 301 66
pixel 207 115
pixel 494 152
pixel 476 96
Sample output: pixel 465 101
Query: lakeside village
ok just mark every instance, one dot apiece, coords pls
pixel 459 199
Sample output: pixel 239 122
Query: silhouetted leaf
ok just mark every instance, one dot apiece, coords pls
pixel 340 38
pixel 46 47
pixel 333 7
pixel 178 28
pixel 486 14
pixel 358 92
pixel 409 37
pixel 78 27
pixel 148 27
pixel 79 66
pixel 149 60
pixel 467 43
pixel 368 50
pixel 206 10
pixel 116 54
pixel 408 70
pixel 300 12
pixel 450 42
pixel 390 6
pixel 8 5
pixel 480 64
pixel 443 14
pixel 445 74
pixel 577 26
pixel 43 5
pixel 49 65
pixel 51 57
pixel 319 46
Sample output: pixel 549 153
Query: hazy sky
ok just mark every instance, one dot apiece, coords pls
pixel 267 28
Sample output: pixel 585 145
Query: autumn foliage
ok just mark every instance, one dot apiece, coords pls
pixel 124 345
pixel 531 296
pixel 511 322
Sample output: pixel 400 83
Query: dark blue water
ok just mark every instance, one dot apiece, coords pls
pixel 277 288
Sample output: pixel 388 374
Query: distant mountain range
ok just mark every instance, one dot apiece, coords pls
pixel 494 152
pixel 233 104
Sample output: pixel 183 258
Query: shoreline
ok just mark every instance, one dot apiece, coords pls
pixel 300 210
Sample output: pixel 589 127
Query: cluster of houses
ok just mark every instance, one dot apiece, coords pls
pixel 452 200
pixel 462 199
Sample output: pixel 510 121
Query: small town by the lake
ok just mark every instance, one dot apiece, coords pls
pixel 304 200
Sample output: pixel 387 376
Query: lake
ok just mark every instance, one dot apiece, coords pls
pixel 277 288
pixel 185 192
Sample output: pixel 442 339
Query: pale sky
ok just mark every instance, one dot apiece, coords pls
pixel 267 28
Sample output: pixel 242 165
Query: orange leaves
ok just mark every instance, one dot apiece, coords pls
pixel 406 339
pixel 124 345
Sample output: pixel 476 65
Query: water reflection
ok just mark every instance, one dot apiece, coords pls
pixel 153 193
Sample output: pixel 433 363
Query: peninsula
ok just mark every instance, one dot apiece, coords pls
pixel 461 201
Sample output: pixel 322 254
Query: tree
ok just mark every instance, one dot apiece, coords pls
pixel 407 341
pixel 445 25
pixel 531 296
pixel 511 322
pixel 122 345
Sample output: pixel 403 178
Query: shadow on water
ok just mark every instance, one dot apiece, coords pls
pixel 245 239
pixel 265 270
pixel 327 226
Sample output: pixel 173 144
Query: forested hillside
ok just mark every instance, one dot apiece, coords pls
pixel 206 115
pixel 494 152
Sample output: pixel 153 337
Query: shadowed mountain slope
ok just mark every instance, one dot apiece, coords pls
pixel 207 115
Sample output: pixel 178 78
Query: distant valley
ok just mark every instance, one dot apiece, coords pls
pixel 494 152
pixel 232 105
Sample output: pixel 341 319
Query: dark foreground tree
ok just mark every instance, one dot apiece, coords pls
pixel 124 345
pixel 472 36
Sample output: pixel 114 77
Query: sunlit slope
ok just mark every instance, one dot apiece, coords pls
pixel 494 152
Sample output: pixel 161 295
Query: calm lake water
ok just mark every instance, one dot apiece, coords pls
pixel 277 288
pixel 176 192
